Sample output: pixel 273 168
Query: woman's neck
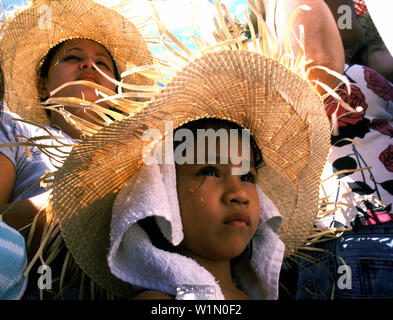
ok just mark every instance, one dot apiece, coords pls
pixel 59 122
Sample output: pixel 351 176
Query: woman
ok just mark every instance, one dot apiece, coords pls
pixel 44 47
pixel 13 256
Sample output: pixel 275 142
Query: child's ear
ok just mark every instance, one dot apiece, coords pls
pixel 42 89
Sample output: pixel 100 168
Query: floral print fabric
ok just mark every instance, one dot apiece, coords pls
pixel 357 182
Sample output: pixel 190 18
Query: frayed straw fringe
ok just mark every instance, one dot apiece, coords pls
pixel 228 37
pixel 51 245
pixel 305 256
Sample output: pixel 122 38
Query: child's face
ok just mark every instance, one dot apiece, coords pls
pixel 219 210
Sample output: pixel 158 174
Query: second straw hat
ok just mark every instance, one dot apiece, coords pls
pixel 33 32
pixel 283 112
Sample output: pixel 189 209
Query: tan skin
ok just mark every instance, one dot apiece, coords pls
pixel 73 61
pixel 323 43
pixel 350 36
pixel 209 195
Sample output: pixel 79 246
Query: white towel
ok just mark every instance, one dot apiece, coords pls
pixel 133 258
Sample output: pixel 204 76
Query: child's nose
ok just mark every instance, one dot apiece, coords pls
pixel 235 193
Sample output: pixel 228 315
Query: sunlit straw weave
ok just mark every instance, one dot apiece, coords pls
pixel 256 85
pixel 282 111
pixel 32 33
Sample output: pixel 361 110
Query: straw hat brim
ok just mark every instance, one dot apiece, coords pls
pixel 283 112
pixel 31 34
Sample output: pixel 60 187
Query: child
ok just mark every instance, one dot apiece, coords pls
pixel 219 212
pixel 292 133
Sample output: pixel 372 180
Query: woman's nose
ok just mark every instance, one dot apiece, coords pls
pixel 87 64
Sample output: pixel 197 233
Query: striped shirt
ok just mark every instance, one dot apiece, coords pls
pixel 13 261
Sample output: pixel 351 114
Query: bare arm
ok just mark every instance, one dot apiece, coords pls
pixel 353 33
pixel 7 174
pixel 322 44
pixel 19 214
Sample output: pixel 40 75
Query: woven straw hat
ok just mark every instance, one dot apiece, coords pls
pixel 255 85
pixel 32 33
pixel 282 110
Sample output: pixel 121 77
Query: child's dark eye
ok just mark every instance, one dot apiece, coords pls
pixel 208 171
pixel 249 177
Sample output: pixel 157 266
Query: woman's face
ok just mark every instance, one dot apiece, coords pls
pixel 75 60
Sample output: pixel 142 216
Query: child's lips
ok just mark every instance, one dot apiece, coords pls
pixel 238 219
pixel 237 224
